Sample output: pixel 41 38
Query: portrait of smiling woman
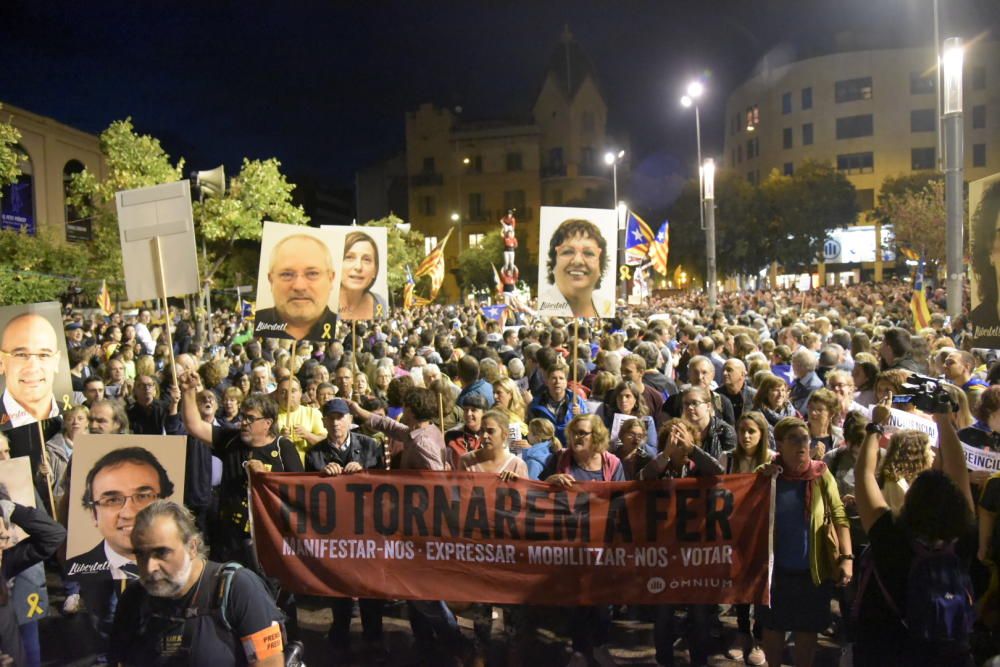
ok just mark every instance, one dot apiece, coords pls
pixel 358 273
pixel 578 277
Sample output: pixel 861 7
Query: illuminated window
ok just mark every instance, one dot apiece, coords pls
pixel 850 90
pixel 475 240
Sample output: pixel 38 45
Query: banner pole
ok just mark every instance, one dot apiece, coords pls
pixel 441 411
pixel 576 344
pixel 48 477
pixel 161 287
pixel 354 345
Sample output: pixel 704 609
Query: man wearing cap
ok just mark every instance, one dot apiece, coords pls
pixel 74 335
pixel 467 437
pixel 344 451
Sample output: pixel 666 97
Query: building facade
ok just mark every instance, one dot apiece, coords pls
pixel 465 175
pixel 54 153
pixel 871 113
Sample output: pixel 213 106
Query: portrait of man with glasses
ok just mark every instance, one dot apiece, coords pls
pixel 300 274
pixel 117 486
pixel 34 374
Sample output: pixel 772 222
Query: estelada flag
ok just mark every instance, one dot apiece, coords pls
pixel 659 248
pixel 104 299
pixel 408 289
pixel 496 279
pixel 638 236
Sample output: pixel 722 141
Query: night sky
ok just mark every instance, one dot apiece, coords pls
pixel 323 86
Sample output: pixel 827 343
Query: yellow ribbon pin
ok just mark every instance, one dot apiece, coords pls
pixel 624 273
pixel 326 332
pixel 34 608
pixel 378 310
pixel 66 404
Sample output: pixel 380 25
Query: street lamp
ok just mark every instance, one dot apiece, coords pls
pixel 708 178
pixel 954 156
pixel 457 219
pixel 612 158
pixel 695 90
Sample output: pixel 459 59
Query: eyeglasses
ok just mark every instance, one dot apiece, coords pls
pixel 25 357
pixel 311 275
pixel 140 500
pixel 580 435
pixel 797 439
pixel 688 405
pixel 842 385
pixel 250 419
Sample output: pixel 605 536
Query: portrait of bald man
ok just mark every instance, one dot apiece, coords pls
pixel 301 277
pixel 30 358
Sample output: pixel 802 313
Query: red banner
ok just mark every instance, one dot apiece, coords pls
pixel 469 537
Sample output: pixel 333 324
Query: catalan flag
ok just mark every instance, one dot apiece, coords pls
pixel 496 279
pixel 659 248
pixel 918 302
pixel 433 266
pixel 638 236
pixel 247 309
pixel 104 299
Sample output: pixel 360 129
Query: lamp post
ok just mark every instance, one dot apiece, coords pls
pixel 456 218
pixel 954 151
pixel 612 159
pixel 694 91
pixel 708 181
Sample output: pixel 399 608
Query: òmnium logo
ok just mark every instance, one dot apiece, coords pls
pixel 656 585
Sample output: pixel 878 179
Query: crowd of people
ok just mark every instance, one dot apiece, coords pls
pixel 794 385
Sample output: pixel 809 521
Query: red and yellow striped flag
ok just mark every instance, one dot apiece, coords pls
pixel 433 266
pixel 659 249
pixel 918 302
pixel 104 299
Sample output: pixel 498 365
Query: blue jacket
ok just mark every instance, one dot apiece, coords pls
pixel 535 457
pixel 481 387
pixel 562 415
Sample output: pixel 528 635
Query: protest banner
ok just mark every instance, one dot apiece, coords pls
pixel 975 458
pixel 578 261
pixel 362 271
pixel 295 280
pixel 469 537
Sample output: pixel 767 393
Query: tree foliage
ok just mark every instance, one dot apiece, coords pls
pixel 801 210
pixel 405 249
pixel 918 219
pixel 132 161
pixel 10 157
pixel 37 268
pixel 475 266
pixel 259 192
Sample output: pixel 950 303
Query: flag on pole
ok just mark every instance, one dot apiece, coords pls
pixel 433 266
pixel 659 248
pixel 918 302
pixel 495 312
pixel 104 299
pixel 496 279
pixel 246 309
pixel 638 236
pixel 408 290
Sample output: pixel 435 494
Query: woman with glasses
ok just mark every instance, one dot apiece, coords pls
pixel 800 593
pixel 630 446
pixel 714 434
pixel 821 407
pixel 586 459
pixel 842 385
pixel 627 399
pixel 773 400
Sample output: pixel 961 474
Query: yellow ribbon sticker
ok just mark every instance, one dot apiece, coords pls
pixel 34 608
pixel 624 273
pixel 66 404
pixel 326 332
pixel 378 310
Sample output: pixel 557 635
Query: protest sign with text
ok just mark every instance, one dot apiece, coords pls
pixel 469 537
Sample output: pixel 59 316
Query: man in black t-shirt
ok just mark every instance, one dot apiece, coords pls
pixel 254 446
pixel 187 610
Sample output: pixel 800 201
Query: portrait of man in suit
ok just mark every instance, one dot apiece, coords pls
pixel 118 485
pixel 29 359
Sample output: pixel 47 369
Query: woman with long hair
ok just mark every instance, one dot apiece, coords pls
pixel 800 596
pixel 507 399
pixel 357 277
pixel 773 400
pixel 753 445
pixel 626 399
pixel 864 374
pixel 936 517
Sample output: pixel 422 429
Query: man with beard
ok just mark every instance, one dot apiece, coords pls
pixel 255 446
pixel 175 617
pixel 301 276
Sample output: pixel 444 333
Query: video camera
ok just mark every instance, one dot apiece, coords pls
pixel 928 394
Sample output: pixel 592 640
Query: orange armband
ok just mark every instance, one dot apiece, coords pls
pixel 263 643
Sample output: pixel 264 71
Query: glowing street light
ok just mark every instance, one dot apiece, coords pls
pixel 952 60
